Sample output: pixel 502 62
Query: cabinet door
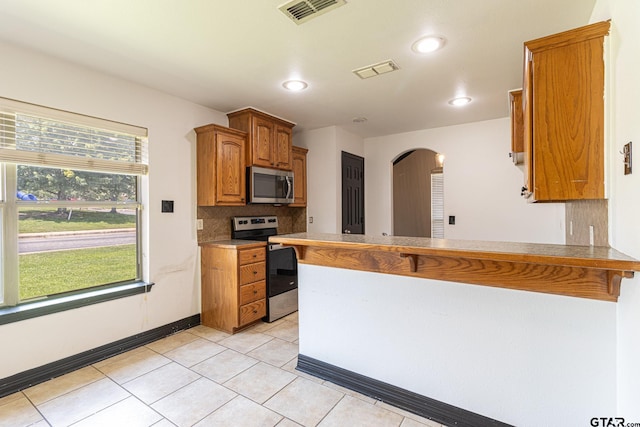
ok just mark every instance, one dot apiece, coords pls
pixel 568 114
pixel 564 115
pixel 299 163
pixel 517 126
pixel 262 142
pixel 230 170
pixel 283 148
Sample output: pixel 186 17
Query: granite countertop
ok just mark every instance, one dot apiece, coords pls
pixel 550 254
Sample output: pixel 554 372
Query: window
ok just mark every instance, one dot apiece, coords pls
pixel 70 203
pixel 437 204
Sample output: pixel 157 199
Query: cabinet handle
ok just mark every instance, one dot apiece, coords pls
pixel 255 272
pixel 255 255
pixel 255 292
pixel 255 311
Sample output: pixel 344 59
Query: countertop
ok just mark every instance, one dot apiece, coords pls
pixel 584 256
pixel 577 271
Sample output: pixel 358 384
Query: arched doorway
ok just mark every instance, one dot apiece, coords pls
pixel 414 174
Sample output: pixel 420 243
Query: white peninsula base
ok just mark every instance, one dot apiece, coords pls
pixel 523 358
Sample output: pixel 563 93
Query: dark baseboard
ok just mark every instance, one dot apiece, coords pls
pixel 43 373
pixel 423 406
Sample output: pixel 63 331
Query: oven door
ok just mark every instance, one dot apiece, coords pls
pixel 283 269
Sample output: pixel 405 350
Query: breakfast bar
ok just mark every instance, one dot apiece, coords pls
pixel 580 271
pixel 492 333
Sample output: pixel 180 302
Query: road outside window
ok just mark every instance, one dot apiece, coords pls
pixel 75 245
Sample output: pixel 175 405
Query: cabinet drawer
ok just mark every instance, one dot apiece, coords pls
pixel 253 292
pixel 249 256
pixel 253 311
pixel 253 272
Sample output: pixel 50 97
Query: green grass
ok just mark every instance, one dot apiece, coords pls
pixel 44 221
pixel 51 273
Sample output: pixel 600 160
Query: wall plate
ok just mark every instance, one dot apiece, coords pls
pixel 167 206
pixel 626 152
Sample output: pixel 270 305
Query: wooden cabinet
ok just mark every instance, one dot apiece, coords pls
pixel 517 126
pixel 564 115
pixel 233 285
pixel 299 162
pixel 220 166
pixel 269 138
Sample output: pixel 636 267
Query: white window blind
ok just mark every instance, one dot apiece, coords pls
pixel 437 205
pixel 40 136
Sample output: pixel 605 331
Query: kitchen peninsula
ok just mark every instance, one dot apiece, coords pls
pixel 396 317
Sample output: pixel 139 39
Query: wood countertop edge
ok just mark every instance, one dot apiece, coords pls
pixel 569 271
pixel 231 244
pixel 618 261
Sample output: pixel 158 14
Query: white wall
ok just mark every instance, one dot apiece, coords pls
pixel 324 202
pixel 170 247
pixel 624 126
pixel 481 184
pixel 322 178
pixel 524 358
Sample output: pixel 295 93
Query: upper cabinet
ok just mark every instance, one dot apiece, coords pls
pixel 563 91
pixel 299 161
pixel 220 166
pixel 517 126
pixel 269 138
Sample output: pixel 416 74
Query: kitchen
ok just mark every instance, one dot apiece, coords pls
pixel 172 249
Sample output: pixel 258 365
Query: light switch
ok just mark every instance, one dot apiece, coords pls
pixel 167 206
pixel 626 152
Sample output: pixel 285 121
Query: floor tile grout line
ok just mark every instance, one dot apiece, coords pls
pixel 129 394
pixel 344 395
pixel 67 392
pixel 140 375
pixel 175 391
pixel 35 407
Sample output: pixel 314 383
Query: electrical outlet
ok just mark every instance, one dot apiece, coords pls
pixel 199 224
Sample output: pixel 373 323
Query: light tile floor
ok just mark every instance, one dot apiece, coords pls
pixel 201 377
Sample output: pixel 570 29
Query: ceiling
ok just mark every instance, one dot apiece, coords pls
pixel 229 54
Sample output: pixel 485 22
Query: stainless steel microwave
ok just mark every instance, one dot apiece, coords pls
pixel 266 185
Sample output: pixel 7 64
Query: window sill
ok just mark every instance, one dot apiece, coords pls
pixel 57 304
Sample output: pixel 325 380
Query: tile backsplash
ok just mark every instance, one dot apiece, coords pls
pixel 217 219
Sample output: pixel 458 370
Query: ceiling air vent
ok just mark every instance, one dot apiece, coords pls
pixel 376 69
pixel 300 11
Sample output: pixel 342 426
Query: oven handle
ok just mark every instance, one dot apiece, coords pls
pixel 277 246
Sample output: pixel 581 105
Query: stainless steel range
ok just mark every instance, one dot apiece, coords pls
pixel 282 265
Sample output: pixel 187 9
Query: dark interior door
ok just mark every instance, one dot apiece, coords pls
pixel 352 194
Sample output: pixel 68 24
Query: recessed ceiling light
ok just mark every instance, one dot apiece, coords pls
pixel 463 100
pixel 427 44
pixel 294 85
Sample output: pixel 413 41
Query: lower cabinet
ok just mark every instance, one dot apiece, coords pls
pixel 233 285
